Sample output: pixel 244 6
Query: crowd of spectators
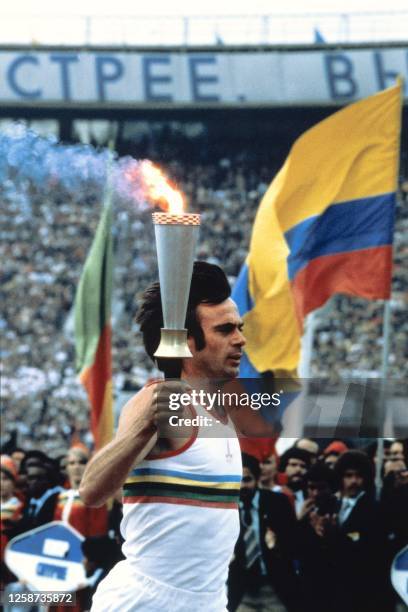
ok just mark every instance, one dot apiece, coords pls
pixel 48 227
pixel 314 535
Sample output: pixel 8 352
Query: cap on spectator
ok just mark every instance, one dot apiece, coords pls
pixel 8 466
pixel 337 447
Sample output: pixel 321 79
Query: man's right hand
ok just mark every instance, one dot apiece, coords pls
pixel 167 403
pixel 140 412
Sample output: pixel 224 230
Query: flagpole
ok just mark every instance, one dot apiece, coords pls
pixel 383 394
pixel 385 351
pixel 305 368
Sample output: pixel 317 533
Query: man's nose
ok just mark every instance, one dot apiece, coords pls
pixel 239 338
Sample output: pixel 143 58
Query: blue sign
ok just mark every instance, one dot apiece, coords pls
pixel 48 558
pixel 399 574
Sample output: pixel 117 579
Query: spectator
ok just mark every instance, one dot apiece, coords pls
pixel 341 548
pixel 333 451
pixel 358 538
pixel 268 472
pixel 261 573
pixel 70 508
pixel 10 511
pixel 399 450
pixel 316 575
pixel 10 504
pixel 310 446
pixel 268 478
pixel 17 456
pixel 394 512
pixel 294 463
pixel 319 491
pixel 42 490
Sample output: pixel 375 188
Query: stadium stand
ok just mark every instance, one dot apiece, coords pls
pixel 48 228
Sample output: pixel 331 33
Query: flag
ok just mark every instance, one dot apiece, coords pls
pixel 324 226
pixel 93 330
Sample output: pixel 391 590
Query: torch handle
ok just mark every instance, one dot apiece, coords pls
pixel 171 367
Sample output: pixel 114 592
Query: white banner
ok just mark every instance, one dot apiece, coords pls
pixel 110 78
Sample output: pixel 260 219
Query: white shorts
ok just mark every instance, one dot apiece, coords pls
pixel 126 590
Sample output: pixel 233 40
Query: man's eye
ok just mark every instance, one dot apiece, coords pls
pixel 225 329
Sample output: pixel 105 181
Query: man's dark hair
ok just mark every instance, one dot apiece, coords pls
pixel 209 285
pixel 36 458
pixel 294 453
pixel 252 464
pixel 404 443
pixel 320 472
pixel 358 461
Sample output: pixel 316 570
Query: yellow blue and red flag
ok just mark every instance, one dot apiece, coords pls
pixel 324 226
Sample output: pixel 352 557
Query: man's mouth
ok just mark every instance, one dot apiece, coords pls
pixel 235 357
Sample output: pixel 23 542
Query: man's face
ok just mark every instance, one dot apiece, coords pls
pixel 37 480
pixel 316 489
pixel 295 471
pixel 17 457
pixel 331 460
pixel 268 469
pixel 396 451
pixel 248 484
pixel 353 483
pixel 7 485
pixel 76 463
pixel 222 328
pixel 400 471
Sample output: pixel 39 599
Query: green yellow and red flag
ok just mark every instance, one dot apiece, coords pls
pixel 93 329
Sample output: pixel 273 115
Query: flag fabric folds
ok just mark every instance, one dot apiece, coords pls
pixel 324 226
pixel 93 330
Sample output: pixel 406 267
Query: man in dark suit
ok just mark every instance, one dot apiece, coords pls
pixel 261 573
pixel 359 537
pixel 342 546
pixel 42 481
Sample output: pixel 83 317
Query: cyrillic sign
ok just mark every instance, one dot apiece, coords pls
pixel 238 78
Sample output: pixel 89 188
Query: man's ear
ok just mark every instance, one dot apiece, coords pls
pixel 192 344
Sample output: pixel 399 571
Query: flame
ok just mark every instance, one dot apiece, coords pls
pixel 159 189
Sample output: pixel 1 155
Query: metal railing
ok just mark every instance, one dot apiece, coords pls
pixel 204 30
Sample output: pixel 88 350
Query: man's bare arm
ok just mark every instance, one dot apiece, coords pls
pixel 136 436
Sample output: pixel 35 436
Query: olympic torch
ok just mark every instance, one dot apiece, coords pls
pixel 176 239
pixel 176 235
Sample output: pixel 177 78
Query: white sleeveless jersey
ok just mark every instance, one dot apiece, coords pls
pixel 180 512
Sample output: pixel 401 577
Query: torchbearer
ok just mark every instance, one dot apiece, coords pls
pixel 180 490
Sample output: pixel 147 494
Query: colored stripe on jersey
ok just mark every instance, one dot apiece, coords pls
pixel 150 485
